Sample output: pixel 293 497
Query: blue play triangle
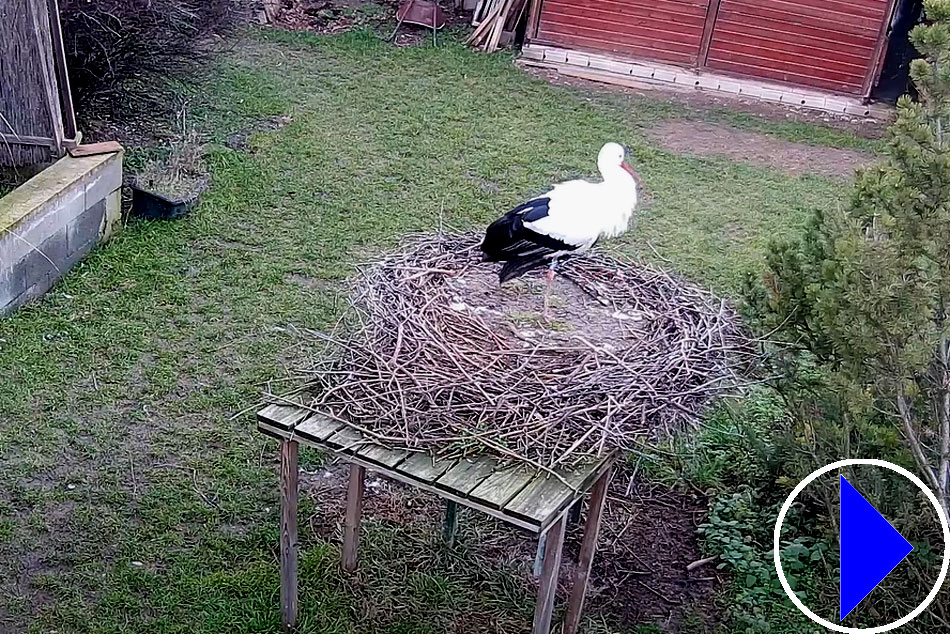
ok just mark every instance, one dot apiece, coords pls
pixel 870 548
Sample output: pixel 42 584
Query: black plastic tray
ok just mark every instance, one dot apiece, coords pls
pixel 146 204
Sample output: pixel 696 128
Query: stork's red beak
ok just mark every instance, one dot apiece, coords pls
pixel 633 173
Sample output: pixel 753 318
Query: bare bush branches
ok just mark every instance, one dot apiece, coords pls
pixel 117 48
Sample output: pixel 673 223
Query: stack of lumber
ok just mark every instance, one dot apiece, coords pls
pixel 495 22
pixel 266 11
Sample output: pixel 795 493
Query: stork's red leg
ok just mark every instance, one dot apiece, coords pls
pixel 549 276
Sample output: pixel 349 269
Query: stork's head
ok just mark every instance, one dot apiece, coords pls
pixel 612 156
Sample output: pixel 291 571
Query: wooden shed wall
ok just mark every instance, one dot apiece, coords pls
pixel 827 44
pixel 664 30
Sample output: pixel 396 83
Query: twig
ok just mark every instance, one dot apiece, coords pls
pixel 699 563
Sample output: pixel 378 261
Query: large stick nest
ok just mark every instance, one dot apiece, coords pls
pixel 433 354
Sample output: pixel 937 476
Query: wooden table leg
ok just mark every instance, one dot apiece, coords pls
pixel 288 533
pixel 539 556
pixel 547 587
pixel 354 515
pixel 575 514
pixel 588 546
pixel 450 524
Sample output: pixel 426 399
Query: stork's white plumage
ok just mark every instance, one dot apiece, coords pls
pixel 568 219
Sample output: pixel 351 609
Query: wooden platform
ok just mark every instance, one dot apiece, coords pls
pixel 535 499
pixel 530 498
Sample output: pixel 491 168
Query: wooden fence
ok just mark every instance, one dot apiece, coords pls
pixel 37 122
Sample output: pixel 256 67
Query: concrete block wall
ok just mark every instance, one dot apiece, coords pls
pixel 50 222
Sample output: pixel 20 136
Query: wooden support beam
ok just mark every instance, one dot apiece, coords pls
pixel 588 547
pixel 712 13
pixel 354 515
pixel 450 524
pixel 880 52
pixel 70 131
pixel 534 17
pixel 23 139
pixel 288 533
pixel 547 588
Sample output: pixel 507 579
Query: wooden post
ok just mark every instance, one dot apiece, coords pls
pixel 354 514
pixel 534 17
pixel 547 587
pixel 71 132
pixel 288 533
pixel 712 13
pixel 880 52
pixel 588 546
pixel 539 556
pixel 450 524
pixel 574 517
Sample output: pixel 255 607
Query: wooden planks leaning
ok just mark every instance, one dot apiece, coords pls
pixel 496 22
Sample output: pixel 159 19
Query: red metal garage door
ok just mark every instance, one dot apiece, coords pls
pixel 665 30
pixel 828 44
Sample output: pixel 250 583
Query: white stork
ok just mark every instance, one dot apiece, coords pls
pixel 568 219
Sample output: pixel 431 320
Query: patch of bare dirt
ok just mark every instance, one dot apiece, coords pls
pixel 308 282
pixel 239 140
pixel 648 538
pixel 707 139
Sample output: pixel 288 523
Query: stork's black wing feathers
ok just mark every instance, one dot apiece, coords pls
pixel 507 237
pixel 508 240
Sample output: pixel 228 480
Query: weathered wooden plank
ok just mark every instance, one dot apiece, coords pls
pixel 575 604
pixel 546 495
pixel 395 474
pixel 467 474
pixel 386 457
pixel 346 439
pixel 500 487
pixel 288 533
pixel 95 149
pixel 285 416
pixel 317 428
pixel 424 467
pixel 70 131
pixel 416 463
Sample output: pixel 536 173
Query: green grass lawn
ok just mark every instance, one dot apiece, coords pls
pixel 133 499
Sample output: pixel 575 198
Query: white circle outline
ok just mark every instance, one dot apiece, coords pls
pixel 776 545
